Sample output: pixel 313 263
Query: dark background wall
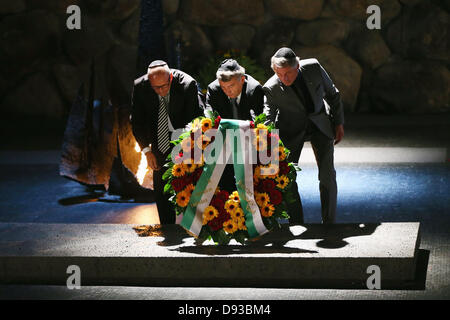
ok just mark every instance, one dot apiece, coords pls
pixel 402 68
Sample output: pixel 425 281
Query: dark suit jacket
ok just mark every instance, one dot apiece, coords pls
pixel 250 105
pixel 283 106
pixel 183 107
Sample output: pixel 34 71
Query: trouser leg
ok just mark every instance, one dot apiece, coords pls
pixel 295 209
pixel 323 148
pixel 166 210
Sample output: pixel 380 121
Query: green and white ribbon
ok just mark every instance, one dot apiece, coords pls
pixel 204 190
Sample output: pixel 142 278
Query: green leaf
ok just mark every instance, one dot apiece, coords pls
pixel 167 174
pixel 260 119
pixel 168 188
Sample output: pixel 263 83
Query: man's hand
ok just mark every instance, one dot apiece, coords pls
pixel 339 133
pixel 151 161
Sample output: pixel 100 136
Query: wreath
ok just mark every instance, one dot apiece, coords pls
pixel 227 215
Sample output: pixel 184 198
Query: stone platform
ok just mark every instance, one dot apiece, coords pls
pixel 300 256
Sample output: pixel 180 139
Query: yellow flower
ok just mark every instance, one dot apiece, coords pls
pixel 210 213
pixel 260 142
pixel 217 191
pixel 196 124
pixel 269 171
pixel 189 167
pixel 261 126
pixel 231 206
pixel 262 199
pixel 241 224
pixel 183 198
pixel 258 172
pixel 189 188
pixel 237 214
pixel 206 124
pixel 282 182
pixel 186 144
pixel 267 210
pixel 230 226
pixel 234 196
pixel 202 142
pixel 178 170
pixel 281 153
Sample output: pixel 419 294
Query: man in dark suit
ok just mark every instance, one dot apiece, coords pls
pixel 234 95
pixel 163 100
pixel 306 106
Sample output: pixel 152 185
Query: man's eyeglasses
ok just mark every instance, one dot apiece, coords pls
pixel 164 86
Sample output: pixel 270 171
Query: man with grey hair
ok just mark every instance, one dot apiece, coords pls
pixel 234 95
pixel 163 100
pixel 306 106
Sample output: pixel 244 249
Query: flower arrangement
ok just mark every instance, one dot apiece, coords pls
pixel 224 217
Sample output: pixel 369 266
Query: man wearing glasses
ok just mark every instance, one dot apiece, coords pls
pixel 163 100
pixel 307 106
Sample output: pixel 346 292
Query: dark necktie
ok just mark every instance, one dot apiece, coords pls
pixel 234 106
pixel 163 126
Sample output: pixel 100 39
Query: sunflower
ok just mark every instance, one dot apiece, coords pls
pixel 261 126
pixel 269 171
pixel 262 199
pixel 260 142
pixel 281 153
pixel 267 210
pixel 241 225
pixel 259 170
pixel 186 144
pixel 282 182
pixel 178 170
pixel 183 198
pixel 189 166
pixel 210 213
pixel 189 188
pixel 234 196
pixel 231 206
pixel 230 226
pixel 206 124
pixel 202 142
pixel 238 214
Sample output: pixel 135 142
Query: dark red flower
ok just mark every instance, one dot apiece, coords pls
pixel 216 122
pixel 252 124
pixel 217 203
pixel 224 215
pixel 215 224
pixel 178 184
pixel 275 197
pixel 268 185
pixel 188 179
pixel 284 168
pixel 223 195
pixel 196 175
pixel 260 186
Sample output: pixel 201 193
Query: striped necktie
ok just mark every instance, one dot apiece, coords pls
pixel 163 126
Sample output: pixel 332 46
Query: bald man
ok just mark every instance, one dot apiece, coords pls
pixel 163 100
